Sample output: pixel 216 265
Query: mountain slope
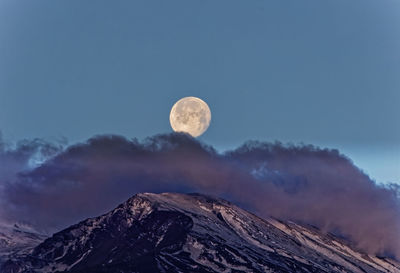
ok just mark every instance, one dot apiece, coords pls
pixel 17 239
pixel 192 233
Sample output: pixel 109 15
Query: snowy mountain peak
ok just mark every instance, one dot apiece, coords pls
pixel 172 232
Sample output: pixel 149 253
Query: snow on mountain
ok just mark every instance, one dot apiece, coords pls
pixel 172 232
pixel 17 239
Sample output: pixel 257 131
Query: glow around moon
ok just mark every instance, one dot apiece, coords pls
pixel 190 115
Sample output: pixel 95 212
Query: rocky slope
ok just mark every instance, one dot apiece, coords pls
pixel 191 233
pixel 17 239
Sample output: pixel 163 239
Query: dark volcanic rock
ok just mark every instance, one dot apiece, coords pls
pixel 191 233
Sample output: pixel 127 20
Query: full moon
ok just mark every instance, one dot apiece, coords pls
pixel 190 115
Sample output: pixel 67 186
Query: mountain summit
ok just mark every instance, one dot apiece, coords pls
pixel 172 232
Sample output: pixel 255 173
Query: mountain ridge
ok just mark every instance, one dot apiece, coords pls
pixel 171 232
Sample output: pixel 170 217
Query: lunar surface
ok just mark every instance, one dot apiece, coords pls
pixel 190 115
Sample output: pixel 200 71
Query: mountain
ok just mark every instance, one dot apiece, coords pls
pixel 17 239
pixel 172 232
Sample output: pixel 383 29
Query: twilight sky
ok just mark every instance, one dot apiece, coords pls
pixel 312 71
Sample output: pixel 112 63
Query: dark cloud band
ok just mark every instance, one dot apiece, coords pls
pixel 301 183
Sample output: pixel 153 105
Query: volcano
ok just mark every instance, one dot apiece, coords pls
pixel 172 232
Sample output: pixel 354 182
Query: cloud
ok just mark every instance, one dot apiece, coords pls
pixel 19 157
pixel 302 183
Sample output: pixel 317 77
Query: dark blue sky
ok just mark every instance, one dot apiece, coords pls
pixel 319 72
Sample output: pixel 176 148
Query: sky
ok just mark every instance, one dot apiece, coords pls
pixel 314 72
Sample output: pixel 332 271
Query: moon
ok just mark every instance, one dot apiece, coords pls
pixel 190 115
